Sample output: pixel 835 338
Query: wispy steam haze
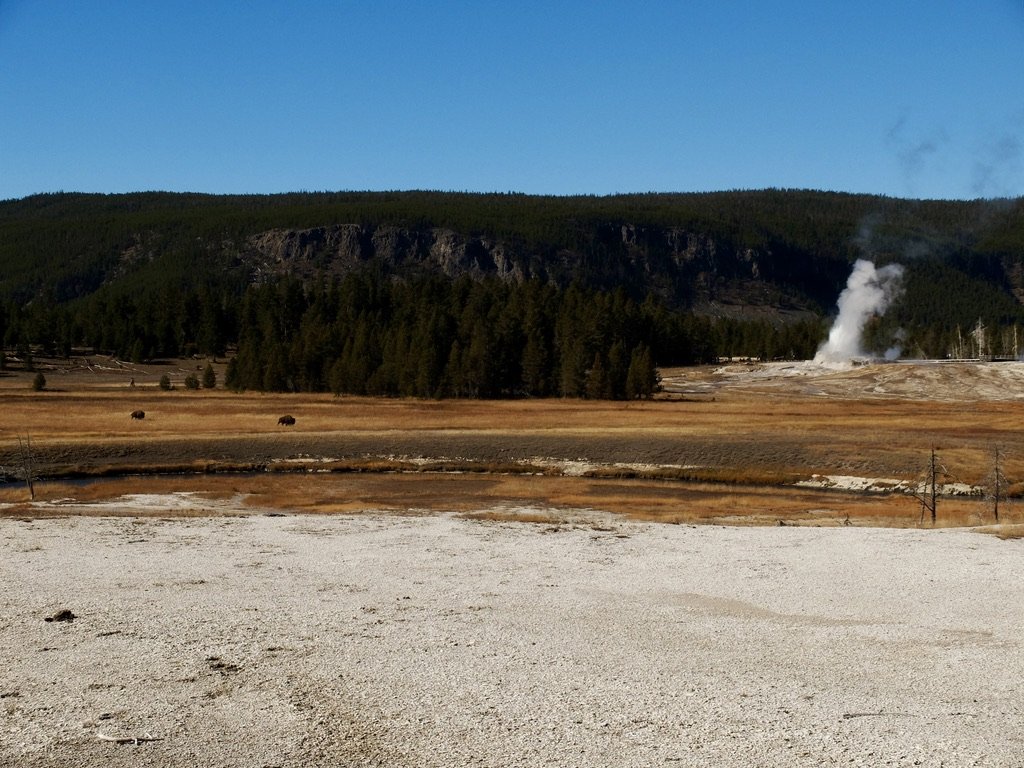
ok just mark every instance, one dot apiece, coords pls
pixel 990 167
pixel 998 168
pixel 868 292
pixel 915 154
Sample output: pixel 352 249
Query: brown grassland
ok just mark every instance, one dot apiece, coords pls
pixel 717 446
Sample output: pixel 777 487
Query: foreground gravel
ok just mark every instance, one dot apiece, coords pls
pixel 436 641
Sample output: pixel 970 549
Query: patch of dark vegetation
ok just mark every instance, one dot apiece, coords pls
pixel 64 614
pixel 217 664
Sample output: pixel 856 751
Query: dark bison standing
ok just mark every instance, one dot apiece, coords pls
pixel 287 421
pixel 138 414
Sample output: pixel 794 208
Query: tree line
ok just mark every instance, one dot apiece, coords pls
pixel 429 336
pixel 432 337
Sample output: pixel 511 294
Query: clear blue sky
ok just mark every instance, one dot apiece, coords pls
pixel 908 98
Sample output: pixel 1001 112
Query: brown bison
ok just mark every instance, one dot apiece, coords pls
pixel 138 414
pixel 287 421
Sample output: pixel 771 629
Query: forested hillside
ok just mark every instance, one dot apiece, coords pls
pixel 485 295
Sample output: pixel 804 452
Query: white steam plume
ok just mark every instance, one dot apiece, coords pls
pixel 868 292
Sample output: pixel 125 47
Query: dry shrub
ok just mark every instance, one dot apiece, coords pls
pixel 12 493
pixel 19 510
pixel 1015 490
pixel 512 516
pixel 150 469
pixel 730 475
pixel 488 468
pixel 1007 531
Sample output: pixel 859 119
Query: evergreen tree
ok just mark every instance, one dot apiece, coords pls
pixel 618 370
pixel 535 364
pixel 275 370
pixel 137 354
pixel 598 385
pixel 572 369
pixel 642 377
pixel 231 376
pixel 455 381
pixel 476 363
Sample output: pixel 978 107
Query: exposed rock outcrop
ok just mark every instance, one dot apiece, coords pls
pixel 337 249
pixel 684 268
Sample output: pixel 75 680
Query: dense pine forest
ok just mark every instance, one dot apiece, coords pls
pixel 493 295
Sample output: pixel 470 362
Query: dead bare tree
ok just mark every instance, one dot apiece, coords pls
pixel 928 490
pixel 26 470
pixel 996 483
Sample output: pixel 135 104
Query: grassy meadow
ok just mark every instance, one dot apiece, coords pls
pixel 728 457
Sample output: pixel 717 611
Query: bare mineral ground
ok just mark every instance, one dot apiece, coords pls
pixel 439 641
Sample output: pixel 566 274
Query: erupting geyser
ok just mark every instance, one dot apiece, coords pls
pixel 868 292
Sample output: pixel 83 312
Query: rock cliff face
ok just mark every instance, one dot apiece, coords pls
pixel 337 249
pixel 682 267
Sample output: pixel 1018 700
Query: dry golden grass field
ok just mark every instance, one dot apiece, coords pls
pixel 741 444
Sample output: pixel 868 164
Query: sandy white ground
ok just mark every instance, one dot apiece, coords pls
pixel 436 641
pixel 967 381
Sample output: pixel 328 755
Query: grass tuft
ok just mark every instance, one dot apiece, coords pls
pixel 1005 531
pixel 511 516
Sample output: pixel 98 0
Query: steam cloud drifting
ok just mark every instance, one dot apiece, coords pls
pixel 868 292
